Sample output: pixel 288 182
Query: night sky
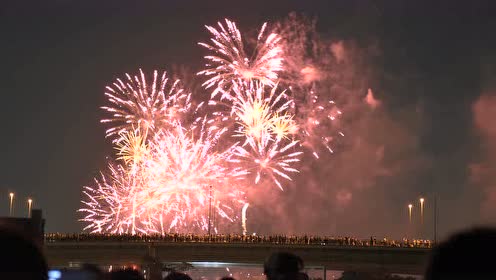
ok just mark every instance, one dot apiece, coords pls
pixel 430 64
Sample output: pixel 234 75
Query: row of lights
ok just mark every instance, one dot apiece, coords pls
pixel 410 206
pixel 11 209
pixel 435 214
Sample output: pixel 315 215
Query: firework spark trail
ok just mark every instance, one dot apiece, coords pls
pixel 173 156
pixel 110 205
pixel 134 103
pixel 182 167
pixel 170 189
pixel 264 120
pixel 132 147
pixel 265 125
pixel 301 61
pixel 230 61
pixel 317 122
pixel 272 159
pixel 310 74
pixel 243 217
pixel 283 126
pixel 261 115
pixel 167 167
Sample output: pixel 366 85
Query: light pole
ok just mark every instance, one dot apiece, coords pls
pixel 11 209
pixel 209 209
pixel 30 203
pixel 410 206
pixel 435 219
pixel 422 210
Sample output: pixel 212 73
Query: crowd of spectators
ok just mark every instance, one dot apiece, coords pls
pixel 237 238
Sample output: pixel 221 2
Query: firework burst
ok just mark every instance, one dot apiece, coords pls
pixel 283 126
pixel 113 203
pixel 136 103
pixel 317 121
pixel 261 114
pixel 230 61
pixel 171 188
pixel 177 163
pixel 184 166
pixel 268 159
pixel 310 74
pixel 132 147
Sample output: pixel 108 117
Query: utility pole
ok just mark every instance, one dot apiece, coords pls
pixel 435 219
pixel 209 209
pixel 11 210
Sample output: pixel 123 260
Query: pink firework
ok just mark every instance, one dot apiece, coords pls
pixel 171 189
pixel 136 102
pixel 229 60
pixel 177 164
pixel 270 160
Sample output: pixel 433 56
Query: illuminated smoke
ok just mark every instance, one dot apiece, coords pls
pixel 370 100
pixel 267 108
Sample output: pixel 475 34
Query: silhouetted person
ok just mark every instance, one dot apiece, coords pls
pixel 466 255
pixel 20 258
pixel 227 278
pixel 95 272
pixel 177 276
pixel 125 274
pixel 284 266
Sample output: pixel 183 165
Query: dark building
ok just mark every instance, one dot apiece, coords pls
pixel 33 227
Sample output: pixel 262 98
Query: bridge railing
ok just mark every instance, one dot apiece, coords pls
pixel 235 238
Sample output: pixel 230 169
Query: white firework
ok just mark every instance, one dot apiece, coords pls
pixel 135 103
pixel 230 60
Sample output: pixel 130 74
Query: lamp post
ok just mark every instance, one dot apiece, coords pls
pixel 209 209
pixel 30 203
pixel 410 206
pixel 11 208
pixel 435 219
pixel 422 210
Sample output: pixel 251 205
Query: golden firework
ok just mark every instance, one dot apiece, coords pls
pixel 131 147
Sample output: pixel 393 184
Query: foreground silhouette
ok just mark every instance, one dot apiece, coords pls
pixel 20 257
pixel 284 266
pixel 466 255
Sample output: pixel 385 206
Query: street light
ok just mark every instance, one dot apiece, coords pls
pixel 209 209
pixel 11 211
pixel 410 206
pixel 30 203
pixel 422 210
pixel 435 219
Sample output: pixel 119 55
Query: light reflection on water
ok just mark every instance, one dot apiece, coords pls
pixel 215 271
pixel 240 271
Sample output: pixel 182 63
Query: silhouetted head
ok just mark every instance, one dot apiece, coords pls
pixel 125 274
pixel 94 271
pixel 227 278
pixel 466 255
pixel 20 258
pixel 284 266
pixel 177 276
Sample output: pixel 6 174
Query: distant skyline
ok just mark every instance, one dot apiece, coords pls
pixel 430 66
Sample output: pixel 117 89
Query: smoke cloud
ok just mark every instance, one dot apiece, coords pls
pixel 337 50
pixel 370 100
pixel 376 152
pixel 482 171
